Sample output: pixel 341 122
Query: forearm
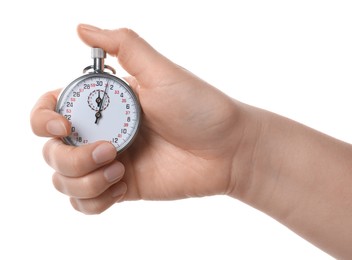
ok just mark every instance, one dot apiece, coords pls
pixel 300 177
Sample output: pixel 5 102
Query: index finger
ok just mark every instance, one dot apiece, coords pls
pixel 45 121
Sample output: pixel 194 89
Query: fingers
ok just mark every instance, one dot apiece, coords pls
pixel 91 185
pixel 45 121
pixel 135 55
pixel 97 205
pixel 88 174
pixel 73 161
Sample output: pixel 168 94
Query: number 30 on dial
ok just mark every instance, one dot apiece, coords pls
pixel 100 106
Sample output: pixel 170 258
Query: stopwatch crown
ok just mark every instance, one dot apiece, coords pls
pixel 98 56
pixel 98 53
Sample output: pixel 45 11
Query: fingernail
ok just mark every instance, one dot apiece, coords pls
pixel 56 127
pixel 89 27
pixel 118 189
pixel 103 153
pixel 114 172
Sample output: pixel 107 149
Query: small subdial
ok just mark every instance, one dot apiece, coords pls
pixel 98 101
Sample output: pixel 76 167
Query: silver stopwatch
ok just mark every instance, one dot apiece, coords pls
pixel 100 106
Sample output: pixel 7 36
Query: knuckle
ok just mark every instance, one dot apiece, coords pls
pixel 76 204
pixel 89 207
pixel 45 152
pixel 45 104
pixel 94 207
pixel 127 32
pixel 48 152
pixel 77 163
pixel 57 183
pixel 33 122
pixel 127 38
pixel 90 187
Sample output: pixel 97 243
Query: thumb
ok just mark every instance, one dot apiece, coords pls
pixel 135 55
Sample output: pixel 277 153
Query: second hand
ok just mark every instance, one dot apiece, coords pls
pixel 98 114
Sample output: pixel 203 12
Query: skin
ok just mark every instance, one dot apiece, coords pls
pixel 196 141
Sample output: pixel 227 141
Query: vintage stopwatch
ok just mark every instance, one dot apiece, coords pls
pixel 100 106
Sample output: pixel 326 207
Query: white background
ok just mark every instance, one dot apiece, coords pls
pixel 291 57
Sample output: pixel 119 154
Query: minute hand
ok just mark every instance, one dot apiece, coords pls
pixel 98 114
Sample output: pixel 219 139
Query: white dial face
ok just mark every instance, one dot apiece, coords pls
pixel 100 107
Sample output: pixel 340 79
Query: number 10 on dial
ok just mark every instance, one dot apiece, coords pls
pixel 100 106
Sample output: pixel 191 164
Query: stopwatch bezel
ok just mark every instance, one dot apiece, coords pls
pixel 74 83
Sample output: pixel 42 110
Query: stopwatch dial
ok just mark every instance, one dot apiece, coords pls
pixel 97 100
pixel 112 98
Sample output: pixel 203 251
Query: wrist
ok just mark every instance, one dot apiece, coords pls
pixel 244 156
pixel 257 161
pixel 296 175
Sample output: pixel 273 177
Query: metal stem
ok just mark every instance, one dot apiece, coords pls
pixel 98 65
pixel 98 56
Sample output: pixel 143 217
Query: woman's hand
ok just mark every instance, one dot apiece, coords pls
pixel 189 136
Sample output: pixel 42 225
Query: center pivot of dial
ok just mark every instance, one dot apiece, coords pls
pixel 98 101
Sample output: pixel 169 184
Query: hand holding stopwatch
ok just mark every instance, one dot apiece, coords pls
pixel 97 91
